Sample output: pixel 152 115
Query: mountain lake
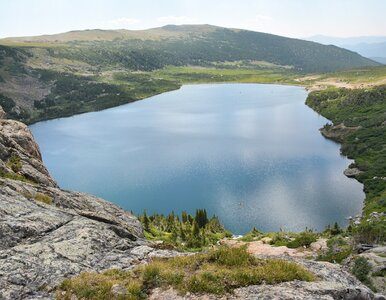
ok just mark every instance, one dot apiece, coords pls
pixel 251 154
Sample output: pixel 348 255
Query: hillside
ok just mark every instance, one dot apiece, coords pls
pixel 60 75
pixel 193 44
pixel 359 121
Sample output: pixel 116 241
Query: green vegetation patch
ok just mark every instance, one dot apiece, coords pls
pixel 185 232
pixel 6 103
pixel 293 239
pixel 229 74
pixel 362 75
pixel 218 271
pixel 253 235
pixel 361 116
pixel 73 94
pixel 361 270
pixel 339 249
pixel 15 176
pixel 303 239
pixel 14 163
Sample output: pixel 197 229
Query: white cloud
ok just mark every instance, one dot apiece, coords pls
pixel 176 19
pixel 122 22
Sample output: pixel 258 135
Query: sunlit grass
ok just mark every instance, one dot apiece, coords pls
pixel 217 272
pixel 242 75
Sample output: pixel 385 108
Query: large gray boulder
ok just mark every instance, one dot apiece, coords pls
pixel 16 140
pixel 41 244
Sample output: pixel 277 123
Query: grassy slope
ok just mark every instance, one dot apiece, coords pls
pixel 355 78
pixel 220 75
pixel 216 272
pixel 196 45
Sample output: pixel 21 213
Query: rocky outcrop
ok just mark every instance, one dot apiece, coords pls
pixel 47 234
pixel 20 154
pixel 337 132
pixel 352 172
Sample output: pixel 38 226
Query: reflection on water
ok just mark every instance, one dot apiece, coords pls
pixel 249 153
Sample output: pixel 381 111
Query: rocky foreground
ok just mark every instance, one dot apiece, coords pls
pixel 47 234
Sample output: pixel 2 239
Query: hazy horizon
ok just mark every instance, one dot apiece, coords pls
pixel 107 29
pixel 298 19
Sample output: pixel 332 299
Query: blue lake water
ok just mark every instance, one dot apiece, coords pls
pixel 251 154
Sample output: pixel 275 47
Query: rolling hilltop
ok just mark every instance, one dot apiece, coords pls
pixel 59 75
pixel 193 44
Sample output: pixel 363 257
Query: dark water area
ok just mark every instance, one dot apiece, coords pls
pixel 251 154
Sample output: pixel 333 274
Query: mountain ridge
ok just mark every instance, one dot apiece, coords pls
pixel 89 34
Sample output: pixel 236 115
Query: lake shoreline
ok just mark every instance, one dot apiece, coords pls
pixel 111 110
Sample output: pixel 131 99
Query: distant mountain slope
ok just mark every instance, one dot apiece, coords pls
pixel 192 45
pixel 381 60
pixel 369 50
pixel 373 47
pixel 340 41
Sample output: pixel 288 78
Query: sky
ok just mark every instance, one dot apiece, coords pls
pixel 293 18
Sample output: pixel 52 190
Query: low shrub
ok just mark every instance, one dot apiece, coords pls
pixel 14 163
pixel 303 239
pixel 361 270
pixel 338 250
pixel 251 236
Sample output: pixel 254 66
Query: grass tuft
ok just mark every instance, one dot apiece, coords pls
pixel 43 198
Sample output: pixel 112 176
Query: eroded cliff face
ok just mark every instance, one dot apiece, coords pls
pixel 47 233
pixel 20 155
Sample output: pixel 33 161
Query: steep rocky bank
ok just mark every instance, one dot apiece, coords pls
pixel 47 234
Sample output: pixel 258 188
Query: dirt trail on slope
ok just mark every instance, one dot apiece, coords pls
pixel 260 248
